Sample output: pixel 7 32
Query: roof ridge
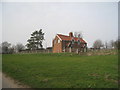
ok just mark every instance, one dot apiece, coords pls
pixel 62 35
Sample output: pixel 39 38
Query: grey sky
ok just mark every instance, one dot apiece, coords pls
pixel 96 20
pixel 0 22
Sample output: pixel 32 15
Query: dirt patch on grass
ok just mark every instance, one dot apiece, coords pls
pixel 8 82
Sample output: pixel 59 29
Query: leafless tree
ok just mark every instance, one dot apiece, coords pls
pixel 117 44
pixel 78 34
pixel 20 47
pixel 5 47
pixel 106 45
pixel 97 44
pixel 112 44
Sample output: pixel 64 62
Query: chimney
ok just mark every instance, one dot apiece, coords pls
pixel 71 34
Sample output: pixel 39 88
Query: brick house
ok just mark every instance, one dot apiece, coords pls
pixel 63 43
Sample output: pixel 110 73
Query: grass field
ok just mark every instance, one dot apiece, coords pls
pixel 62 70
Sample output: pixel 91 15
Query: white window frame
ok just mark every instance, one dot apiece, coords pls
pixel 58 40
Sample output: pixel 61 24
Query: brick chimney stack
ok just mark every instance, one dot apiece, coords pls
pixel 71 34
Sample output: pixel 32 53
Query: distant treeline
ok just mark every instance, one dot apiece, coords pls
pixel 8 48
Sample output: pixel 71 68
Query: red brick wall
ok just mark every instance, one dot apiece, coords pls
pixel 57 47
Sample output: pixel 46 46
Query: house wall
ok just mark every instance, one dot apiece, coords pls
pixel 75 48
pixel 57 46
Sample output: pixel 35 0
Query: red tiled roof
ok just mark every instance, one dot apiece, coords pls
pixel 68 38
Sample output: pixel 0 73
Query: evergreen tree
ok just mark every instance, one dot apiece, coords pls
pixel 35 41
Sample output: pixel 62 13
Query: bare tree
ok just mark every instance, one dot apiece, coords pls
pixel 78 34
pixel 13 47
pixel 5 47
pixel 106 45
pixel 117 44
pixel 112 44
pixel 11 50
pixel 20 47
pixel 97 44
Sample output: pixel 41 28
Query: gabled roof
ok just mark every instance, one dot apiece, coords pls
pixel 68 38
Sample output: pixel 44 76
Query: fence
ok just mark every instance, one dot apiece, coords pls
pixel 36 51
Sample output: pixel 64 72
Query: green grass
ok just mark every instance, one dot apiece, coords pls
pixel 0 62
pixel 62 70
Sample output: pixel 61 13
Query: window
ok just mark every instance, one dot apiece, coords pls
pixel 58 41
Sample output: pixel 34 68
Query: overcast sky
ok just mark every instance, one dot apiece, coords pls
pixel 96 20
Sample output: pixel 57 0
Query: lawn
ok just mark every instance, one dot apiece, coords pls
pixel 62 70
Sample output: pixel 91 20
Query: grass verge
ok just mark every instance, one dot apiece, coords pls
pixel 62 70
